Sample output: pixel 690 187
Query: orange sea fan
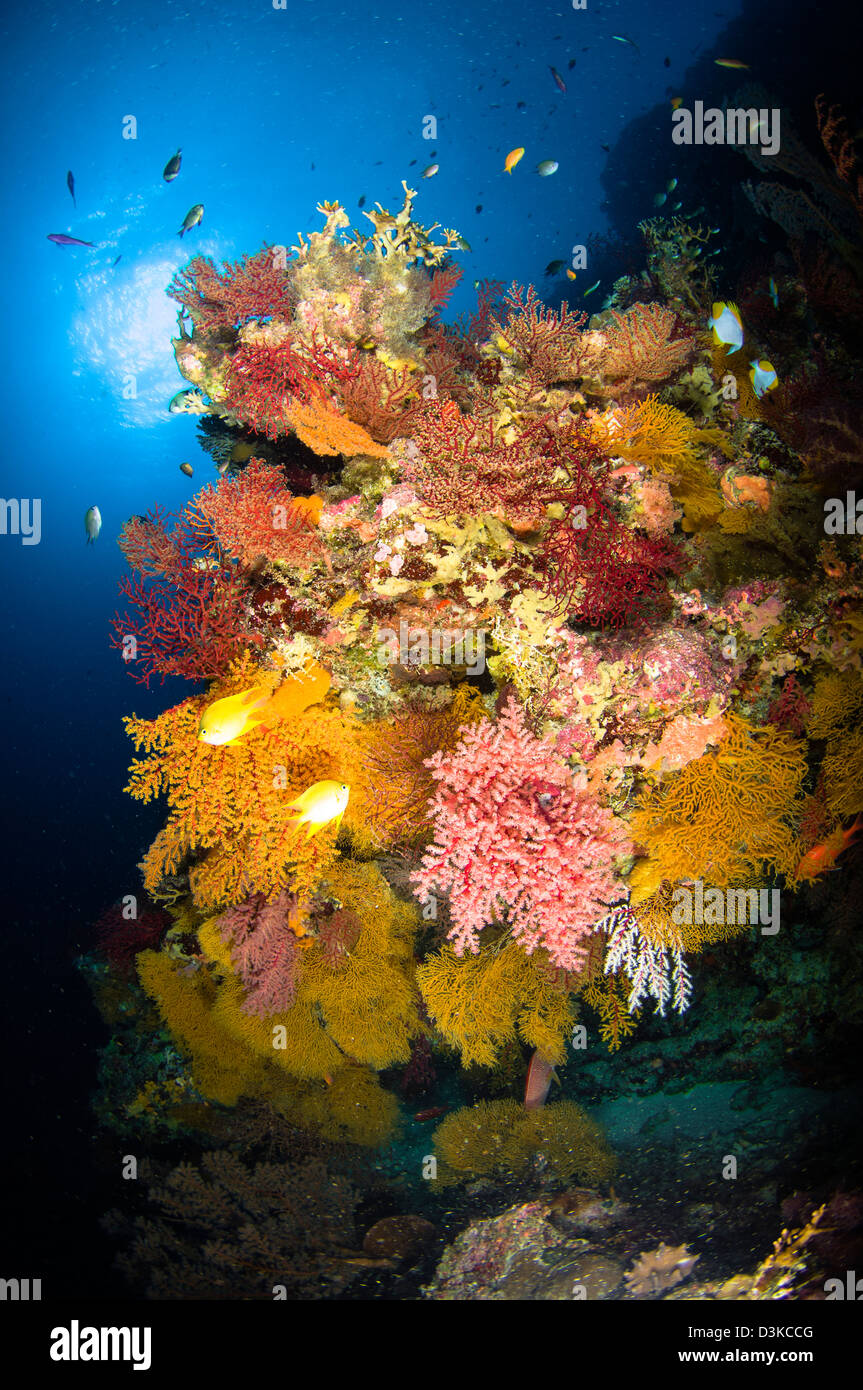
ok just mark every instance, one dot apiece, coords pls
pixel 328 432
pixel 641 346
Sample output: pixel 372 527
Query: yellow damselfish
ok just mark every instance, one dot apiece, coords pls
pixel 320 804
pixel 227 721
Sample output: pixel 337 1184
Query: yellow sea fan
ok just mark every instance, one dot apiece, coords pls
pixel 479 1003
pixel 728 815
pixel 837 702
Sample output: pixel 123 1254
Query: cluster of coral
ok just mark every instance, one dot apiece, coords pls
pixel 553 601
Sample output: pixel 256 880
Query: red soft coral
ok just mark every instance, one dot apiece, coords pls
pixel 517 838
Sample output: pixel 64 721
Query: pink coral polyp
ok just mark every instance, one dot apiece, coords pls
pixel 519 840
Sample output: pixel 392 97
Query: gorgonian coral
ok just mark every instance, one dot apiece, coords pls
pixel 460 466
pixel 271 370
pixel 518 840
pixel 253 515
pixel 188 615
pixel 595 565
pixel 223 298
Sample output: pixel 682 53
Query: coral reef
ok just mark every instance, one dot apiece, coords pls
pixel 541 615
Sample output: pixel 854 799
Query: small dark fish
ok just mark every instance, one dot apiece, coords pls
pixel 667 62
pixel 521 106
pixel 187 469
pixel 432 1113
pixel 478 207
pixel 361 201
pixel 377 162
pixel 172 168
pixel 571 64
pixel 118 260
pixel 411 163
pixel 192 218
pixel 63 240
pixel 554 267
pixel 70 184
pixel 607 148
pixel 505 82
pixel 433 154
pixel 558 79
pixel 312 165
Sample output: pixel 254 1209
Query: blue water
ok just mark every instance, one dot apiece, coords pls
pixel 275 111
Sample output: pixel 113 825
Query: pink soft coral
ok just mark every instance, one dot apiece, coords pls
pixel 518 838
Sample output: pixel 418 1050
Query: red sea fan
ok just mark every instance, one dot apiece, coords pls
pixel 253 515
pixel 257 287
pixel 381 400
pixel 266 376
pixel 188 614
pixel 443 282
pixel 264 950
pixel 596 566
pixel 517 839
pixel 120 938
pixel 461 468
pixel 550 345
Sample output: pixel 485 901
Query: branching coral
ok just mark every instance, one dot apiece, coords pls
pixel 516 839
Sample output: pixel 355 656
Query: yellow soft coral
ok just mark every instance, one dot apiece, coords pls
pixel 235 802
pixel 501 1137
pixel 662 438
pixel 479 1003
pixel 727 816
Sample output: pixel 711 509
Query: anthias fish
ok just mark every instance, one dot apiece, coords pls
pixel 61 239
